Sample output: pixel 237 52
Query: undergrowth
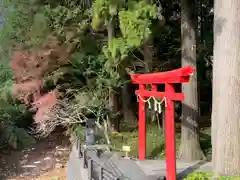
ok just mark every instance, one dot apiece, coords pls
pixel 155 140
pixel 208 176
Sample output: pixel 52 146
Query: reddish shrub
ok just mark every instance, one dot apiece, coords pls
pixel 29 69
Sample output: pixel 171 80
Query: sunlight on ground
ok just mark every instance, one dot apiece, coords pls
pixel 55 174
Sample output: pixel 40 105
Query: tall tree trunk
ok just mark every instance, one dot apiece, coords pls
pixel 190 147
pixel 226 88
pixel 148 50
pixel 128 114
pixel 113 119
pixel 148 55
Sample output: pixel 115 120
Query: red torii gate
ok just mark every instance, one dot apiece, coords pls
pixel 168 78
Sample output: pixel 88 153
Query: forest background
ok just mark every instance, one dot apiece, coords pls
pixel 64 62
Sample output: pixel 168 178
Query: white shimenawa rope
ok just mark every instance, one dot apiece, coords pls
pixel 157 104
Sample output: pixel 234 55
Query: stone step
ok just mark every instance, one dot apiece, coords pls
pixel 157 168
pixel 127 169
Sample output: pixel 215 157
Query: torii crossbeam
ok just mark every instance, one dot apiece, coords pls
pixel 168 78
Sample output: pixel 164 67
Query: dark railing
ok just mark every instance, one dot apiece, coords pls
pixel 95 170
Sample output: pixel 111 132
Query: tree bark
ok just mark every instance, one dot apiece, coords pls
pixel 226 88
pixel 148 60
pixel 148 55
pixel 128 114
pixel 190 147
pixel 113 118
pixel 148 50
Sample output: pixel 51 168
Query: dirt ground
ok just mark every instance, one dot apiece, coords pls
pixel 46 160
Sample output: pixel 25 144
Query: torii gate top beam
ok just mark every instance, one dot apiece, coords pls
pixel 175 76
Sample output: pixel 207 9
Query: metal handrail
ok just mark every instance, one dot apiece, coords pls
pixel 95 170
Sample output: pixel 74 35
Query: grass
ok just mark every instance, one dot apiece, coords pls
pixel 208 176
pixel 155 142
pixel 205 143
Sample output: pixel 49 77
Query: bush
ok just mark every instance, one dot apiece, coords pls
pixel 13 116
pixel 198 176
pixel 208 176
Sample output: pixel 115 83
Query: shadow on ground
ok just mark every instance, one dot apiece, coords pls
pixel 45 155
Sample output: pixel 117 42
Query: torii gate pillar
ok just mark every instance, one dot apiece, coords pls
pixel 168 78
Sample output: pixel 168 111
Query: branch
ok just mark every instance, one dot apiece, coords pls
pixel 65 114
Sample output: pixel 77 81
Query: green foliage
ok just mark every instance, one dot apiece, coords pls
pixel 135 21
pixel 155 144
pixel 39 30
pixel 206 143
pixel 96 63
pixel 88 65
pixel 198 176
pixel 135 25
pixel 18 18
pixel 208 176
pixel 76 131
pixel 11 114
pixel 14 30
pixel 13 135
pixel 98 71
pixel 60 18
pixel 103 11
pixel 89 87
